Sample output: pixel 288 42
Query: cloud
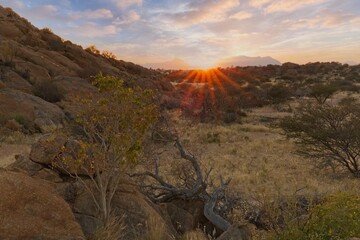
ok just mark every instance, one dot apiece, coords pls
pixel 42 12
pixel 101 13
pixel 258 3
pixel 93 30
pixel 202 11
pixel 130 17
pixel 290 5
pixel 12 4
pixel 324 19
pixel 241 15
pixel 122 4
pixel 48 9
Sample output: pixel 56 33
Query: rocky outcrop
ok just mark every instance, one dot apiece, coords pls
pixel 13 80
pixel 140 214
pixel 29 209
pixel 138 211
pixel 34 111
pixel 42 55
pixel 58 152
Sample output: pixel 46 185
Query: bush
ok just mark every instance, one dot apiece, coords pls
pixel 48 91
pixel 336 218
pixel 47 30
pixel 8 52
pixel 329 135
pixel 20 119
pixel 213 137
pixel 108 55
pixel 92 49
pixel 279 93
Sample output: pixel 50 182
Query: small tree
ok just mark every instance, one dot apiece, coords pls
pixel 321 92
pixel 113 125
pixel 108 55
pixel 328 134
pixel 93 49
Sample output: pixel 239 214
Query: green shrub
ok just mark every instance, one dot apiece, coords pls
pixel 336 218
pixel 279 93
pixel 213 138
pixel 21 119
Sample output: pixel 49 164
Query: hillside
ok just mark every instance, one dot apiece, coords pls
pixel 37 62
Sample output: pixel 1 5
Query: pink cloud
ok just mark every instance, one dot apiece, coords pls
pixel 93 30
pixel 101 13
pixel 241 15
pixel 290 5
pixel 204 12
pixel 127 3
pixel 130 17
pixel 325 19
pixel 258 3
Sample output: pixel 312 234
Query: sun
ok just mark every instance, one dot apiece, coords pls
pixel 204 89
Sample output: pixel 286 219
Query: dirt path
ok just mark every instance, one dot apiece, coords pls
pixel 8 152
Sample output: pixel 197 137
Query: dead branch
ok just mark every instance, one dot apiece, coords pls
pixel 166 192
pixel 210 204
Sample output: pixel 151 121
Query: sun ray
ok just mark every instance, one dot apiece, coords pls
pixel 212 91
pixel 227 79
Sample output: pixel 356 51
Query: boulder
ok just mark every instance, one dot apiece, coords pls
pixel 24 164
pixel 13 125
pixel 140 215
pixel 15 81
pixel 36 112
pixel 59 152
pixel 181 219
pixel 29 209
pixel 8 152
pixel 47 148
pixel 9 30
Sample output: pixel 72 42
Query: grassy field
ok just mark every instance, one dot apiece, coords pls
pixel 258 158
pixel 262 164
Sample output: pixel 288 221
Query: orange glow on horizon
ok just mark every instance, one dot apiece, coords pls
pixel 205 88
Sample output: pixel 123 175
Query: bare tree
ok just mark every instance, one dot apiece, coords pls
pixel 159 190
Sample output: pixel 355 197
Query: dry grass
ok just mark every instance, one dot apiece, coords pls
pixel 260 161
pixel 156 230
pixel 194 235
pixel 114 229
pixel 14 143
pixel 17 138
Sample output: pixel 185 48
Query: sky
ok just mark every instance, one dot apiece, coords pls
pixel 202 32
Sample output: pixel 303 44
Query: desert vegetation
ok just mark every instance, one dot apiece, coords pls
pixel 111 129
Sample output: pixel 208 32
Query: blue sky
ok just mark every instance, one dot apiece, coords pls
pixel 202 32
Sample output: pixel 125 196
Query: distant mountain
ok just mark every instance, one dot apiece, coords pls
pixel 247 61
pixel 174 64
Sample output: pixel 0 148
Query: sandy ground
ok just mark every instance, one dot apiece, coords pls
pixel 8 152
